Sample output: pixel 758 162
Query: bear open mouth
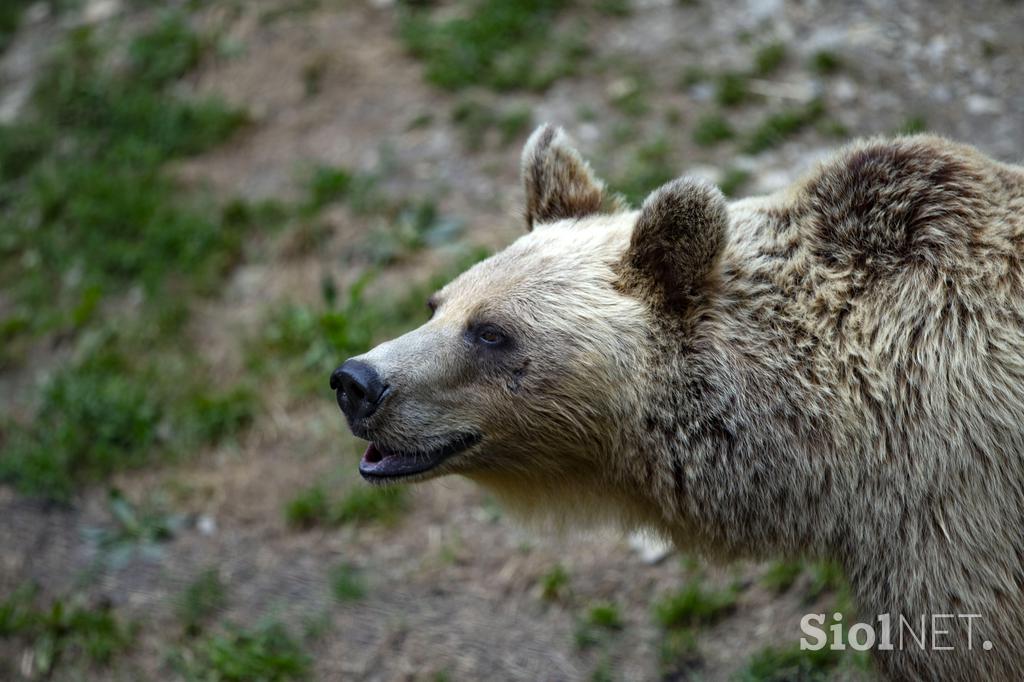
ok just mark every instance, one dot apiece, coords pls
pixel 381 464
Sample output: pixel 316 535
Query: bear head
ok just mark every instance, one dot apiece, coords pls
pixel 529 374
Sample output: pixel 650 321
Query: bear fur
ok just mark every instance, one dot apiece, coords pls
pixel 833 371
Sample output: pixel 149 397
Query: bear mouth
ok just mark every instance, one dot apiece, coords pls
pixel 380 463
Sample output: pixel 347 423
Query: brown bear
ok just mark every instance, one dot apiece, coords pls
pixel 835 370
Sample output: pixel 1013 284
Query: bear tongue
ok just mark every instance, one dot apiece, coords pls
pixel 373 455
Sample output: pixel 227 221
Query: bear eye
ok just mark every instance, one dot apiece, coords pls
pixel 491 337
pixel 432 305
pixel 488 335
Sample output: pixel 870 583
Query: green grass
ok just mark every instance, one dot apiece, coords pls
pixel 597 625
pixel 832 127
pixel 732 89
pixel 554 585
pixel 826 62
pixel 781 125
pixel 615 8
pixel 308 342
pixel 678 653
pixel 604 615
pixel 650 167
pixel 265 653
pixel 912 125
pixel 365 504
pixel 733 180
pixel 496 44
pixel 826 576
pixel 781 575
pixel 632 100
pixel 86 211
pixel 347 583
pixel 711 129
pixel 10 19
pixel 128 401
pixel 693 605
pixel 782 664
pixel 361 504
pixel 93 420
pixel 769 58
pixel 692 75
pixel 308 509
pixel 313 72
pixel 135 529
pixel 204 598
pixel 216 415
pixel 166 52
pixel 476 120
pixel 327 185
pixel 63 633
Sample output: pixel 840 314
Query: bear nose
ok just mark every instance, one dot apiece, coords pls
pixel 359 388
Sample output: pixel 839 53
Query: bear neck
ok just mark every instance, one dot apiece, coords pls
pixel 737 447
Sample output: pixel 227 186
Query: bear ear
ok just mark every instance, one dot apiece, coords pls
pixel 558 182
pixel 676 243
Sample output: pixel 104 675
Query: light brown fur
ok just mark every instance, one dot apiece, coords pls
pixel 833 371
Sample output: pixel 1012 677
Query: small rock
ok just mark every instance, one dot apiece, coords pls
pixel 100 10
pixel 206 525
pixel 845 90
pixel 589 132
pixel 702 92
pixel 979 104
pixel 621 87
pixel 759 10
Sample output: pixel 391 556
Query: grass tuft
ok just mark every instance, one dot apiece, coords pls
pixel 769 58
pixel 86 210
pixel 780 664
pixel 712 129
pixel 605 615
pixel 502 45
pixel 777 127
pixel 362 504
pixel 732 89
pixel 63 633
pixel 365 504
pixel 477 120
pixel 678 653
pixel 781 575
pixel 649 168
pixel 117 408
pixel 205 597
pixel 265 653
pixel 166 52
pixel 10 19
pixel 347 583
pixel 912 125
pixel 694 605
pixel 308 509
pixel 554 585
pixel 733 180
pixel 310 342
pixel 825 62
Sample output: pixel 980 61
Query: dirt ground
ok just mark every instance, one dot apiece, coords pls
pixel 454 585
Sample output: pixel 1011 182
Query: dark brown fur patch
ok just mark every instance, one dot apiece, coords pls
pixel 894 203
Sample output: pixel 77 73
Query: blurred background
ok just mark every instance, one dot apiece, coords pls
pixel 205 206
